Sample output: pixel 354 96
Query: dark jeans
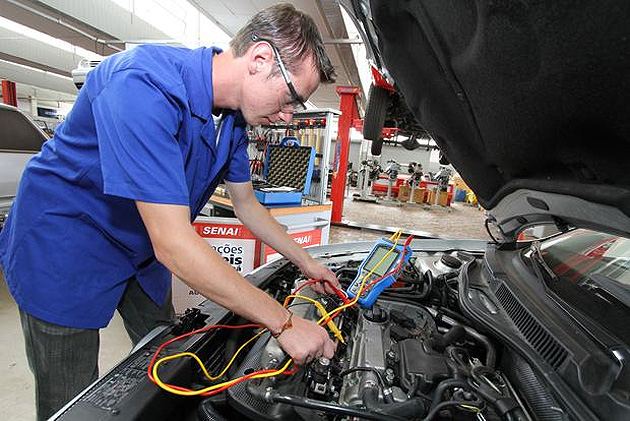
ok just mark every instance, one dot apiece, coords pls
pixel 64 360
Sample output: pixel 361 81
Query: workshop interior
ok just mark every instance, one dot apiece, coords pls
pixel 465 178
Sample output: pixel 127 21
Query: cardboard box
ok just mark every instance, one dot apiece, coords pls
pixel 404 192
pixel 418 195
pixel 443 200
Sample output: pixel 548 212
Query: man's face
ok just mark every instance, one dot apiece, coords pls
pixel 267 98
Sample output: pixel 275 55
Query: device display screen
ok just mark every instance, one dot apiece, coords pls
pixel 376 257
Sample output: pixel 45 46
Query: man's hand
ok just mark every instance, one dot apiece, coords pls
pixel 306 341
pixel 319 272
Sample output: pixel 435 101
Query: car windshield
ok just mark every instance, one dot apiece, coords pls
pixel 18 133
pixel 593 276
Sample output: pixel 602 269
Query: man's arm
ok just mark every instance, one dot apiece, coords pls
pixel 183 252
pixel 264 226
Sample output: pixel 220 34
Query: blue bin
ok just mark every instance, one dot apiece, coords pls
pixel 460 195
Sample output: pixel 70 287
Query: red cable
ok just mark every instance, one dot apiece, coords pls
pixel 398 267
pixel 239 380
pixel 337 291
pixel 340 293
pixel 202 330
pixel 185 335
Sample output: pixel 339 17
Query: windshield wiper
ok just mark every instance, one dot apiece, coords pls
pixel 618 290
pixel 540 263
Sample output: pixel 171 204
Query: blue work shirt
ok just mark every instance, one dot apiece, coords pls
pixel 142 129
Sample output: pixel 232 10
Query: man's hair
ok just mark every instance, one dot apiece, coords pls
pixel 294 34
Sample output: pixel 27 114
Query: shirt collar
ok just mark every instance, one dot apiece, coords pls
pixel 197 76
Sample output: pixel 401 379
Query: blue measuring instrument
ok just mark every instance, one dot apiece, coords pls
pixel 371 264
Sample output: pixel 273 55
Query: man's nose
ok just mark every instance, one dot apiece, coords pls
pixel 285 116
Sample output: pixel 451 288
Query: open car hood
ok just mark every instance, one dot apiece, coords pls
pixel 528 100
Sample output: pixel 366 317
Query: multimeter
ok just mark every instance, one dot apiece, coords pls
pixel 390 261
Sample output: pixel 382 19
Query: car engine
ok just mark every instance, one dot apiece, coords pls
pixel 409 356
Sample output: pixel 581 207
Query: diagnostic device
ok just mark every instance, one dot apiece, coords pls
pixel 380 253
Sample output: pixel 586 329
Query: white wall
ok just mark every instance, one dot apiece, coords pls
pixel 398 153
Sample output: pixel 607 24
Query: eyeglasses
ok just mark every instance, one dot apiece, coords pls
pixel 297 102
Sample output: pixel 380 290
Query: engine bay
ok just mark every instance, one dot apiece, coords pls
pixel 419 352
pixel 410 355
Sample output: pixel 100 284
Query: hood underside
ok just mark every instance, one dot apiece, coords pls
pixel 520 95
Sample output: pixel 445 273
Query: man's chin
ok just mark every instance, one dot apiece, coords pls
pixel 257 121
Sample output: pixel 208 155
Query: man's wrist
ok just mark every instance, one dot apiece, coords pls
pixel 304 261
pixel 286 324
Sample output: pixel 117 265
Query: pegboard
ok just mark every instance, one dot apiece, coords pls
pixel 290 166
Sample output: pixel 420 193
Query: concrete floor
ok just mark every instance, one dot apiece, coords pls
pixel 17 391
pixel 456 221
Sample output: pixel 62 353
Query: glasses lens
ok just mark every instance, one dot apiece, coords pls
pixel 293 106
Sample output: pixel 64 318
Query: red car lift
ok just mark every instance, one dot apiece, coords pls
pixel 349 113
pixel 9 95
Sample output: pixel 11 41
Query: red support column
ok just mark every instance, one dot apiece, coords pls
pixel 349 112
pixel 9 95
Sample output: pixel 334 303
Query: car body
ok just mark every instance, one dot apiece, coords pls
pixel 528 100
pixel 21 138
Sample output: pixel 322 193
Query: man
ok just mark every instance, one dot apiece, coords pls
pixel 103 213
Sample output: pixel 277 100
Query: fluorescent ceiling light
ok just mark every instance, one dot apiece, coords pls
pixel 47 39
pixel 35 69
pixel 178 19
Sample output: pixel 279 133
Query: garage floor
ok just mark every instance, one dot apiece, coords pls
pixel 456 221
pixel 16 389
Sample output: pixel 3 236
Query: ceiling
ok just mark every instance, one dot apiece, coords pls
pixel 101 27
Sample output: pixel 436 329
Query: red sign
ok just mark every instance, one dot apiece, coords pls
pixel 223 231
pixel 304 239
pixel 233 242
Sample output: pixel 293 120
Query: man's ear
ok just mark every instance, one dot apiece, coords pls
pixel 260 56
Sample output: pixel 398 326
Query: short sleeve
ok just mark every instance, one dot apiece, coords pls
pixel 137 123
pixel 238 170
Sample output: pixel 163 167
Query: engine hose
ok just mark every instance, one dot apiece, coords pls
pixel 434 411
pixel 445 385
pixel 491 354
pixel 206 412
pixel 331 407
pixel 394 295
pixel 450 313
pixel 505 405
pixel 407 409
pixel 428 286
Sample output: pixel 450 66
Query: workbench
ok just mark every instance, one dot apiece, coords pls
pixel 299 218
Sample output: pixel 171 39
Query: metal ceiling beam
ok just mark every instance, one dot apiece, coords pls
pixel 33 64
pixel 56 24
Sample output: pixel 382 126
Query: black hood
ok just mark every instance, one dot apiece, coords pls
pixel 529 100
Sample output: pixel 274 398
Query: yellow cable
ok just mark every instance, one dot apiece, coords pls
pixel 322 310
pixel 395 238
pixel 470 408
pixel 218 376
pixel 396 235
pixel 209 388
